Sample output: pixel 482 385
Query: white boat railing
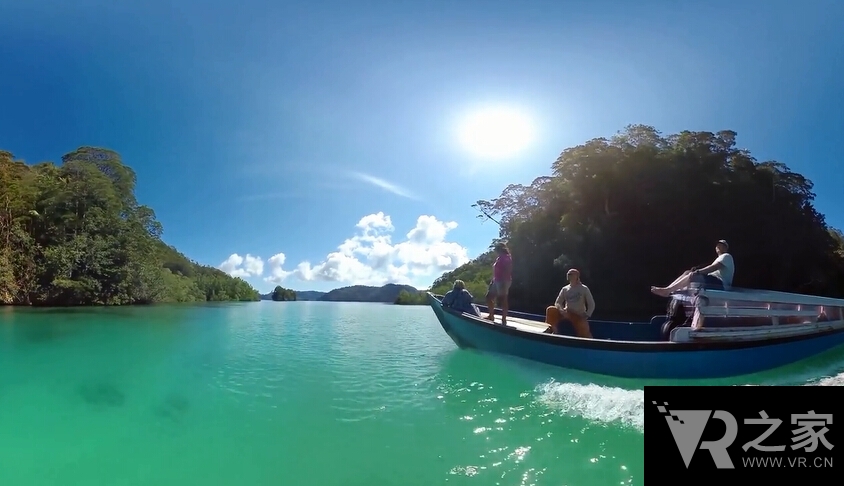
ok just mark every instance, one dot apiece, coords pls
pixel 759 314
pixel 760 333
pixel 762 296
pixel 726 311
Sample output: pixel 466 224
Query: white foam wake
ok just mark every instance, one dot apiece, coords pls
pixel 613 405
pixel 837 380
pixel 596 403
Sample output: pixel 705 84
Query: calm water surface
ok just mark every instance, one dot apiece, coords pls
pixel 304 393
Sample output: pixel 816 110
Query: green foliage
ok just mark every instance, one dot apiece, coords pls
pixel 411 298
pixel 74 234
pixel 476 274
pixel 281 294
pixel 365 293
pixel 638 209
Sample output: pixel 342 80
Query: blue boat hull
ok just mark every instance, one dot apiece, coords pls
pixel 631 350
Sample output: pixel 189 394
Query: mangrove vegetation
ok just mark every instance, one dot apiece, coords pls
pixel 74 234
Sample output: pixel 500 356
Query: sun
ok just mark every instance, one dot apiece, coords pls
pixel 496 133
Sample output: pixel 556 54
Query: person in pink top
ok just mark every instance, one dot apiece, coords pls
pixel 500 286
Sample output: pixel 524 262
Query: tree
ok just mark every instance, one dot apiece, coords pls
pixel 411 298
pixel 282 294
pixel 636 209
pixel 74 234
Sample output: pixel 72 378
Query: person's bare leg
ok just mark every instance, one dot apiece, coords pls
pixel 504 305
pixel 490 306
pixel 678 284
pixel 581 326
pixel 682 278
pixel 552 318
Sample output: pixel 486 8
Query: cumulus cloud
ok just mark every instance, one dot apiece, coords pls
pixel 370 257
pixel 277 273
pixel 238 266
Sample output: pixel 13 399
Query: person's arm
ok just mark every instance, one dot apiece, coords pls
pixel 466 301
pixel 448 299
pixel 590 303
pixel 716 265
pixel 560 303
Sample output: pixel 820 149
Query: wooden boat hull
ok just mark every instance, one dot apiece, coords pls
pixel 633 350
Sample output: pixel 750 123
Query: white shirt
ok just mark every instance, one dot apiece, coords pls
pixel 726 272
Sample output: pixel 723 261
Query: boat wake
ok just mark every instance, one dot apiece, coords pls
pixel 837 380
pixel 604 404
pixel 613 405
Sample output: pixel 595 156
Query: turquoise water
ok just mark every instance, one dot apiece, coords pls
pixel 304 393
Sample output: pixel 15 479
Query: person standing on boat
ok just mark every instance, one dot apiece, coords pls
pixel 499 288
pixel 718 274
pixel 575 303
pixel 460 299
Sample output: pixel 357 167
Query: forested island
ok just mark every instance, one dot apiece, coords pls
pixel 74 234
pixel 280 294
pixel 389 293
pixel 637 209
pixel 366 293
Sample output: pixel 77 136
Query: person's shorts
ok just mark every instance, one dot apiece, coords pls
pixel 707 281
pixel 498 289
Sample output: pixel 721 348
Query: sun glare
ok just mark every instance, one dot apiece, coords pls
pixel 496 133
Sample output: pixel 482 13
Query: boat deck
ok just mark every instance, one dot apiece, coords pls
pixel 522 324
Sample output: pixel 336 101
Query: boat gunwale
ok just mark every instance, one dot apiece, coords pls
pixel 749 333
pixel 627 346
pixel 761 296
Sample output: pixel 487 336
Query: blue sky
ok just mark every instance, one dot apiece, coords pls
pixel 323 131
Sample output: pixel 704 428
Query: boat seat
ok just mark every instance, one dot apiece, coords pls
pixel 680 334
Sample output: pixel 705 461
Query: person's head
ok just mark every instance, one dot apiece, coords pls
pixel 721 247
pixel 573 276
pixel 501 248
pixel 459 285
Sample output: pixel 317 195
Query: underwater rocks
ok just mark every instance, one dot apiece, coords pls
pixel 102 395
pixel 173 407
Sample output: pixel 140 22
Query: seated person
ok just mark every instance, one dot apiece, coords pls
pixel 717 275
pixel 459 299
pixel 575 303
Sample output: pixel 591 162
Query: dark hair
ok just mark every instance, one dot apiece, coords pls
pixel 502 247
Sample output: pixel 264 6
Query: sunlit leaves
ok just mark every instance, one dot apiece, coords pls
pixel 74 234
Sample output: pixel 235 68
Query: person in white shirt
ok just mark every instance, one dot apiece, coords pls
pixel 575 304
pixel 718 274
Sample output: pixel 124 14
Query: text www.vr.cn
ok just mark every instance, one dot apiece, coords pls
pixel 816 462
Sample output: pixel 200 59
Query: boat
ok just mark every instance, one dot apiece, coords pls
pixel 705 333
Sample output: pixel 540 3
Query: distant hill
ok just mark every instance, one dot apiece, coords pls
pixel 365 293
pixel 300 295
pixel 309 295
pixel 356 293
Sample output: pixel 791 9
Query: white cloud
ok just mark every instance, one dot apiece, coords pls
pixel 387 186
pixel 371 258
pixel 238 266
pixel 277 274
